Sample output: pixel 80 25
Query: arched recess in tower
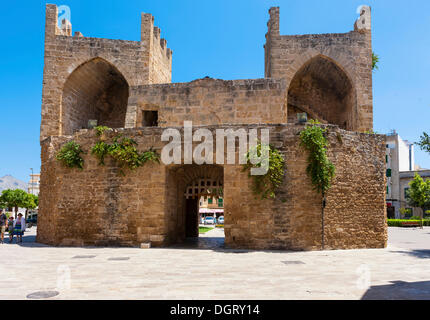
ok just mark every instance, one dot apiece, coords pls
pixel 95 90
pixel 325 92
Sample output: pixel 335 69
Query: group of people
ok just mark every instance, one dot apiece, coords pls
pixel 14 227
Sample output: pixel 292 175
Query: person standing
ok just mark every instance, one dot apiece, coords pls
pixel 10 228
pixel 3 220
pixel 19 228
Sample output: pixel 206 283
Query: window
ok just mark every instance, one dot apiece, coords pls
pixel 386 158
pixel 220 202
pixel 388 173
pixel 150 119
pixel 406 192
pixel 210 200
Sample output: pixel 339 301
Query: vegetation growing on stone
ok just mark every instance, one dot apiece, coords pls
pixel 375 61
pixel 70 155
pixel 320 169
pixel 124 152
pixel 266 185
pixel 101 129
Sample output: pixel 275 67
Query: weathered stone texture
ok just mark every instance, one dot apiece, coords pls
pixel 126 84
pixel 97 206
pixel 139 62
pixel 351 52
pixel 209 102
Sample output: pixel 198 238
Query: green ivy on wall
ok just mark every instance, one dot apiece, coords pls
pixel 124 151
pixel 320 169
pixel 266 185
pixel 70 155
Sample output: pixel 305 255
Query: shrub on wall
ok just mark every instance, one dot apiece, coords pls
pixel 123 151
pixel 70 155
pixel 320 169
pixel 266 185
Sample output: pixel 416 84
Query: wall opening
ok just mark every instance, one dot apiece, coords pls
pixel 195 195
pixel 149 118
pixel 325 92
pixel 96 90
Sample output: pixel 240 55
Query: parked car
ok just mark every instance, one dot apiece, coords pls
pixel 209 220
pixel 221 220
pixel 31 221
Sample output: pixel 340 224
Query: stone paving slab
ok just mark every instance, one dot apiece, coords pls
pixel 398 272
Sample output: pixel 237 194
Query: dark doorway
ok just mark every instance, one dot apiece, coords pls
pixel 390 213
pixel 191 218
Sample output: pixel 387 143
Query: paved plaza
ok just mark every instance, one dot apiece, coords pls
pixel 204 269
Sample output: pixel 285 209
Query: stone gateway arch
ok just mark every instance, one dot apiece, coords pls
pixel 126 85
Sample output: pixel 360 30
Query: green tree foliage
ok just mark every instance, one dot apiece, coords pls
pixel 70 155
pixel 266 185
pixel 18 199
pixel 424 142
pixel 418 194
pixel 320 169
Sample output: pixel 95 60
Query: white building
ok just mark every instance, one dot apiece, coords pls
pixel 399 158
pixel 34 184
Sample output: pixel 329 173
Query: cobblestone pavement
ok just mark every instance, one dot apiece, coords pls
pixel 197 271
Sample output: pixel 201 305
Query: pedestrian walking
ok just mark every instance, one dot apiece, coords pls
pixel 10 228
pixel 19 227
pixel 3 220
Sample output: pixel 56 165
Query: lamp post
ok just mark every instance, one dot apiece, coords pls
pixel 31 180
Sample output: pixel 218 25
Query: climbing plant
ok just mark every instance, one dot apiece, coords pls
pixel 101 129
pixel 320 169
pixel 124 151
pixel 266 185
pixel 100 150
pixel 70 155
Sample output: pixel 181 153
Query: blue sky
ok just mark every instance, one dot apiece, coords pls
pixel 221 39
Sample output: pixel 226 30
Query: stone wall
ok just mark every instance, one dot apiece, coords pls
pixel 139 62
pixel 286 56
pixel 97 206
pixel 210 102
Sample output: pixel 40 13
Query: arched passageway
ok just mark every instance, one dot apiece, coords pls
pixel 96 90
pixel 324 91
pixel 187 186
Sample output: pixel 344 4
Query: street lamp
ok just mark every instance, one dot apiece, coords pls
pixel 31 180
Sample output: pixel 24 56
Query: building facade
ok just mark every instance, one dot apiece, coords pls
pixel 34 184
pixel 400 161
pixel 407 211
pixel 126 85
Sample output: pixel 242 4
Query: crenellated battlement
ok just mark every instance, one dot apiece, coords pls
pixel 151 35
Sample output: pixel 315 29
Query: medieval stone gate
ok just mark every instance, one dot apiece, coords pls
pixel 126 85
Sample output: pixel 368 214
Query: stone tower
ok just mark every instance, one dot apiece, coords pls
pixel 329 76
pixel 89 78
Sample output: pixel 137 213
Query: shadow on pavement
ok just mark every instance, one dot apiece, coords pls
pixel 399 290
pixel 417 253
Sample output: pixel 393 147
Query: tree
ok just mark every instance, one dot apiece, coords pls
pixel 418 194
pixel 424 142
pixel 31 202
pixel 16 199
